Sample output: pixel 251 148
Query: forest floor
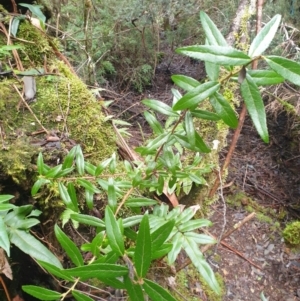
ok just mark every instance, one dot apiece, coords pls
pixel 263 178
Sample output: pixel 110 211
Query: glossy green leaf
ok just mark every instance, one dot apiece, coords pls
pixel 80 296
pixel 97 270
pixel 73 196
pixel 102 166
pixel 205 115
pixel 6 207
pixel 6 197
pixel 139 202
pixel 160 235
pixel 113 232
pixel 160 107
pixel 90 168
pixel 200 145
pixel 31 246
pixel 111 194
pixel 265 77
pixel 26 224
pixel 15 26
pixel 134 290
pixel 212 33
pixel 163 250
pixel 79 159
pixel 143 249
pixel 154 123
pixel 132 221
pixel 88 220
pixel 224 110
pixel 197 179
pixel 176 248
pixel 216 54
pixel 189 128
pixel 64 194
pixel 156 292
pixel 158 141
pixel 40 164
pixel 89 198
pixel 4 240
pixel 187 214
pixel 200 238
pixel 64 172
pixel 212 69
pixel 194 224
pixel 192 250
pixel 185 82
pixel 255 107
pixel 112 282
pixel 288 69
pixel 69 159
pixel 264 38
pixel 88 185
pixel 195 96
pixel 41 293
pixel 53 172
pixel 36 10
pixel 69 246
pixel 55 271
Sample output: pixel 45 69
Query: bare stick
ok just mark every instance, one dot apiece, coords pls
pixel 28 107
pixel 242 114
pixel 228 233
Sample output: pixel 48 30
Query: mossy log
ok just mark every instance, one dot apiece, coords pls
pixel 65 111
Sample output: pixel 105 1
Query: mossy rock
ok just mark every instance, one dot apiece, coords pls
pixel 64 106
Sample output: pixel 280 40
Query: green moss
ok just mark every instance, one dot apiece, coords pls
pixel 64 106
pixel 291 234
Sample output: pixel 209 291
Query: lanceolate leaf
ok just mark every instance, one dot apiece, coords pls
pixel 195 96
pixel 142 254
pixel 40 292
pixel 88 220
pixel 81 297
pixel 205 115
pixel 156 292
pixel 224 110
pixel 200 145
pixel 113 232
pixel 192 250
pixel 265 77
pixel 69 246
pixel 5 198
pixel 213 35
pixel 154 123
pixel 64 194
pixel 4 240
pixel 216 54
pixel 264 38
pixel 160 107
pixel 255 107
pixel 97 270
pixel 55 271
pixel 163 250
pixel 37 185
pixel 185 82
pixel 134 290
pixel 79 160
pixel 189 128
pixel 288 69
pixel 139 202
pixel 160 235
pixel 31 246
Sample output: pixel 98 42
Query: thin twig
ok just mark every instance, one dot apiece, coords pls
pixel 28 107
pixel 242 114
pixel 228 233
pixel 5 288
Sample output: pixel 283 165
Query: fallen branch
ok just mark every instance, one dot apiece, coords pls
pixel 228 233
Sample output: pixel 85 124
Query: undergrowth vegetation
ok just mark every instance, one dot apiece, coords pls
pixel 123 248
pixel 124 41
